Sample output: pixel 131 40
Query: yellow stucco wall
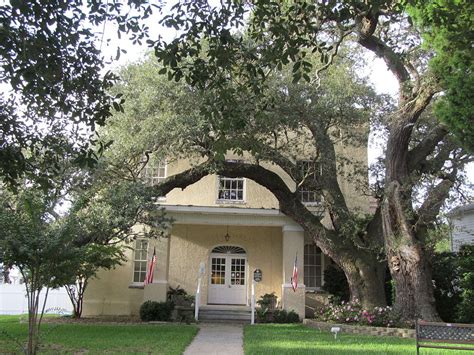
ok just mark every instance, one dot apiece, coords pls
pixel 204 192
pixel 114 293
pixel 192 244
pixel 109 292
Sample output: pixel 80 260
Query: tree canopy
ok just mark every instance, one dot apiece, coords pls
pixel 226 65
pixel 54 89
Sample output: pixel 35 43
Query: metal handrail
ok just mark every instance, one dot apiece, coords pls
pixel 197 300
pixel 252 303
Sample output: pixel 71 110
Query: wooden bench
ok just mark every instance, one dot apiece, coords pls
pixel 428 333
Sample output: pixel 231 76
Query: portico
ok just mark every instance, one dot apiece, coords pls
pixel 232 243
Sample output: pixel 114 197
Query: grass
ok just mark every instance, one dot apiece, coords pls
pixel 299 339
pixel 71 338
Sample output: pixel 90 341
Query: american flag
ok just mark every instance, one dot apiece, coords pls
pixel 294 277
pixel 151 269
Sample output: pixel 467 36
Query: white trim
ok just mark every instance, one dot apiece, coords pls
pixel 246 276
pixel 223 211
pixel 227 216
pixel 159 282
pixel 460 210
pixel 229 201
pixel 291 286
pixel 292 228
pixel 227 244
pixel 134 259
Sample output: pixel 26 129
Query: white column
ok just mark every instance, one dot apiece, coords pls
pixel 293 244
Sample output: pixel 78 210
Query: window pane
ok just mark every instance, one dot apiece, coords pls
pixel 231 189
pixel 312 266
pixel 140 260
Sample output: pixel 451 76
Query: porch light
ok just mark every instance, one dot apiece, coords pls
pixel 227 235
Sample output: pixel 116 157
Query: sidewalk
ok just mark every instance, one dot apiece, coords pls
pixel 217 338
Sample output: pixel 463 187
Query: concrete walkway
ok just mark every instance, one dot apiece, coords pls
pixel 217 338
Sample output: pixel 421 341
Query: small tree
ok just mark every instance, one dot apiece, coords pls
pixel 89 260
pixel 39 246
pixel 102 220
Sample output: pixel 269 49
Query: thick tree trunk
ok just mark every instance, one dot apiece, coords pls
pixel 407 260
pixel 364 273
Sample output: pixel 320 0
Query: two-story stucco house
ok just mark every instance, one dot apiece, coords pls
pixel 231 227
pixel 462 221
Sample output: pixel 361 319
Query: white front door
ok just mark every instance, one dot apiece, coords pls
pixel 228 282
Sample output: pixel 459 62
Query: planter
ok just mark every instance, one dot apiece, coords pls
pixel 183 314
pixel 181 300
pixel 361 329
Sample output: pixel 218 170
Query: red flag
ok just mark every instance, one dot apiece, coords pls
pixel 294 277
pixel 151 269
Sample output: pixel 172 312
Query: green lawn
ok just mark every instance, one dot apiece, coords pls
pixel 69 338
pixel 299 339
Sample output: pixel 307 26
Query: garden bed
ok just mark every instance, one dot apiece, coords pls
pixel 360 329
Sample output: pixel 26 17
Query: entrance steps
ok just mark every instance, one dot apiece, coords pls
pixel 224 314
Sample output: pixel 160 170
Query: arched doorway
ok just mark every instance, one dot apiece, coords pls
pixel 228 275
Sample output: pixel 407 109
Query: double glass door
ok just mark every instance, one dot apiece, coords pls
pixel 228 282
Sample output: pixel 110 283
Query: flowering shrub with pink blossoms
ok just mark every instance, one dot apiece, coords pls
pixel 353 313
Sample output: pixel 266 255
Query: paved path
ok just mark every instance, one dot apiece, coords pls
pixel 216 339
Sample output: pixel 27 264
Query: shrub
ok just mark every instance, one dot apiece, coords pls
pixel 453 279
pixel 264 315
pixel 180 297
pixel 446 282
pixel 156 311
pixel 465 311
pixel 268 301
pixel 335 283
pixel 293 317
pixel 282 316
pixel 353 313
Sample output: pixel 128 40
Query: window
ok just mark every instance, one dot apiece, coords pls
pixel 313 269
pixel 310 172
pixel 231 189
pixel 154 173
pixel 218 271
pixel 140 260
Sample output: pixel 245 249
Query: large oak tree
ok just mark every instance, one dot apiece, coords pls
pixel 208 55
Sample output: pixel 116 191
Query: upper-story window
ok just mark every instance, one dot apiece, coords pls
pixel 140 260
pixel 310 171
pixel 313 267
pixel 155 172
pixel 231 189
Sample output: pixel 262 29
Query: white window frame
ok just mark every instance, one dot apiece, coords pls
pixel 306 266
pixel 316 200
pixel 244 187
pixel 151 172
pixel 143 261
pixel 230 200
pixel 150 178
